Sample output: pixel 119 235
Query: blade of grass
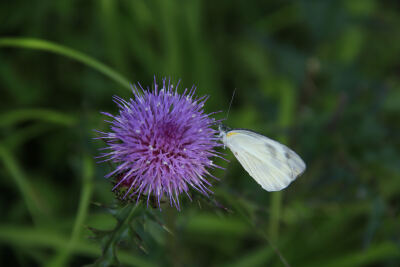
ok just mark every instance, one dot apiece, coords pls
pixel 35 206
pixel 110 20
pixel 241 210
pixel 141 16
pixel 19 137
pixel 369 256
pixel 258 257
pixel 287 101
pixel 326 233
pixel 25 236
pixel 17 116
pixel 169 16
pixel 276 206
pixel 38 44
pixel 61 259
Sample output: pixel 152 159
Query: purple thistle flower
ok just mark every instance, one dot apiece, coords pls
pixel 162 142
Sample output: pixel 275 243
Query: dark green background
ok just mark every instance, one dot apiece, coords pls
pixel 320 76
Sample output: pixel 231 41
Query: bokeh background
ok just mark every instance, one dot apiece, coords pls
pixel 319 76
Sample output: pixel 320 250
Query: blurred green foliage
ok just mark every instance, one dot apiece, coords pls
pixel 320 76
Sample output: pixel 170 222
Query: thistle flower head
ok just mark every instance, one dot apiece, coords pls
pixel 162 143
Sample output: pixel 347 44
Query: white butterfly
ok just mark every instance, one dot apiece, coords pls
pixel 273 165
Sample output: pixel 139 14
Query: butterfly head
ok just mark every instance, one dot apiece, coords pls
pixel 223 130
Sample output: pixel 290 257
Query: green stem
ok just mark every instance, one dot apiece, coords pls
pixel 276 205
pixel 62 257
pixel 124 217
pixel 34 204
pixel 287 102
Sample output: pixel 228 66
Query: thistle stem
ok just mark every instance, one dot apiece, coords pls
pixel 124 217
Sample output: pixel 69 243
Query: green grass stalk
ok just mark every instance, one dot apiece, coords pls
pixel 38 44
pixel 287 103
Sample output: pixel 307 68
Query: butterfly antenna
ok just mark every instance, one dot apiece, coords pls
pixel 230 104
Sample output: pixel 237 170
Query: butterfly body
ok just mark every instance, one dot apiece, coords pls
pixel 273 165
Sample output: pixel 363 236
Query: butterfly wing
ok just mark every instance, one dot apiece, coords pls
pixel 273 165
